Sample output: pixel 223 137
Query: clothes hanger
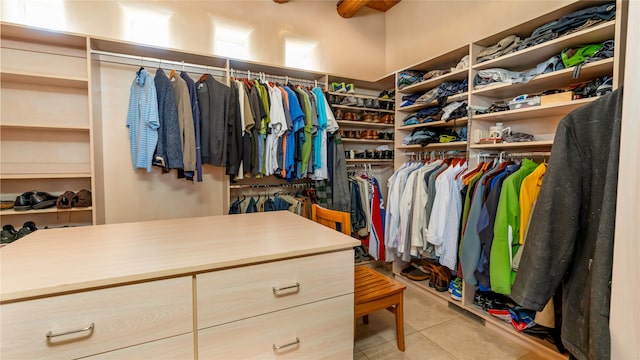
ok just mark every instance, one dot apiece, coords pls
pixel 172 73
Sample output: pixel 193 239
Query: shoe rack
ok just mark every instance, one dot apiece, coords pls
pixel 45 123
pixel 541 120
pixel 365 113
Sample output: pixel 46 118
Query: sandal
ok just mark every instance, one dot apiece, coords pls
pixel 64 200
pixel 81 199
pixel 42 200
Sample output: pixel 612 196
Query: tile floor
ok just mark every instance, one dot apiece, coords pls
pixel 434 332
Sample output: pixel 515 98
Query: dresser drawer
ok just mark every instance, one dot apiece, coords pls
pixel 177 347
pixel 121 316
pixel 318 330
pixel 239 293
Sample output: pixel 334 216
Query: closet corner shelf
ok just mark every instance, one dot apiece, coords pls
pixel 9 125
pixel 535 112
pixel 557 79
pixel 358 108
pixel 352 123
pixel 17 176
pixel 457 75
pixel 366 141
pixel 523 145
pixel 530 57
pixel 359 96
pixel 41 79
pixel 370 161
pixel 434 146
pixel 12 212
pixel 451 123
pixel 450 99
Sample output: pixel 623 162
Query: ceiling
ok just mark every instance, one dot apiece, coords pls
pixel 348 8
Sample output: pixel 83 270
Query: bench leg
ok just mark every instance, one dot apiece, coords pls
pixel 400 324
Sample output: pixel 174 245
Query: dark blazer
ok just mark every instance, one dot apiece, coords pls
pixel 169 146
pixel 570 236
pixel 213 98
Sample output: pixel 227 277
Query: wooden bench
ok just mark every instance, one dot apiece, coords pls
pixel 374 291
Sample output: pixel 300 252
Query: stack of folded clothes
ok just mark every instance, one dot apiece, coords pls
pixel 409 77
pixel 503 47
pixel 570 23
pixel 421 136
pixel 455 110
pixel 408 100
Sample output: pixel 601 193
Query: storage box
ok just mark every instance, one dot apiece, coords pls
pixel 556 98
pixel 524 101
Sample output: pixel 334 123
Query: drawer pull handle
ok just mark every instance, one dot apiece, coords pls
pixel 296 286
pixel 50 334
pixel 280 347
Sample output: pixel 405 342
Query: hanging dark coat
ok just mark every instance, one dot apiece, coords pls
pixel 570 237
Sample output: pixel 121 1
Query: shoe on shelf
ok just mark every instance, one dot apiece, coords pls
pixel 81 199
pixel 338 87
pixel 359 102
pixel 368 103
pixel 26 229
pixel 375 104
pixel 455 289
pixel 349 101
pixel 8 234
pixel 6 204
pixel 23 201
pixel 384 94
pixel 351 89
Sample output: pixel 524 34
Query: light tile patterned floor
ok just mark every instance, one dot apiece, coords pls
pixel 434 332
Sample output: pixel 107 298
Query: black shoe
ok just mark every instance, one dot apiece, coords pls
pixel 27 229
pixel 8 234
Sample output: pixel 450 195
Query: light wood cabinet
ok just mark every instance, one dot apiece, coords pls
pixel 45 122
pixel 133 291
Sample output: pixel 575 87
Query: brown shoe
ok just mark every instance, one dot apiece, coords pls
pixel 367 117
pixel 347 116
pixel 339 114
pixel 376 118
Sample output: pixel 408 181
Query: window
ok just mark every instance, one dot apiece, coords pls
pixel 300 54
pixel 146 26
pixel 231 41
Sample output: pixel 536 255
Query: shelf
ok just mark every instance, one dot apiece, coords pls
pixel 558 79
pixel 359 96
pixel 364 124
pixel 364 141
pixel 441 123
pixel 523 145
pixel 535 112
pixel 424 285
pixel 449 145
pixel 450 99
pixel 44 127
pixel 358 108
pixel 49 80
pixel 530 57
pixel 371 161
pixel 44 176
pixel 457 75
pixel 11 212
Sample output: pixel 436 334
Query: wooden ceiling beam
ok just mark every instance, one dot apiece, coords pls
pixel 348 8
pixel 382 5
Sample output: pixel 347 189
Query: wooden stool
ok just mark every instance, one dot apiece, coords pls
pixel 374 291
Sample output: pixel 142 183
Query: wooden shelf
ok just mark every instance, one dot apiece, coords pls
pixel 523 145
pixel 449 145
pixel 424 285
pixel 450 99
pixel 530 57
pixel 359 96
pixel 359 108
pixel 535 112
pixel 368 161
pixel 558 79
pixel 458 122
pixel 44 176
pixel 9 125
pixel 12 212
pixel 351 123
pixel 457 75
pixel 365 141
pixel 41 79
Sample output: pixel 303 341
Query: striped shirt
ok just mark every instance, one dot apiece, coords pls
pixel 142 120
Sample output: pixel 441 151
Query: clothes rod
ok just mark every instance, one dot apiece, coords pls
pixel 285 78
pixel 160 62
pixel 258 186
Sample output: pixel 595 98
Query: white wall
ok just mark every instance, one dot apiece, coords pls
pixel 349 47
